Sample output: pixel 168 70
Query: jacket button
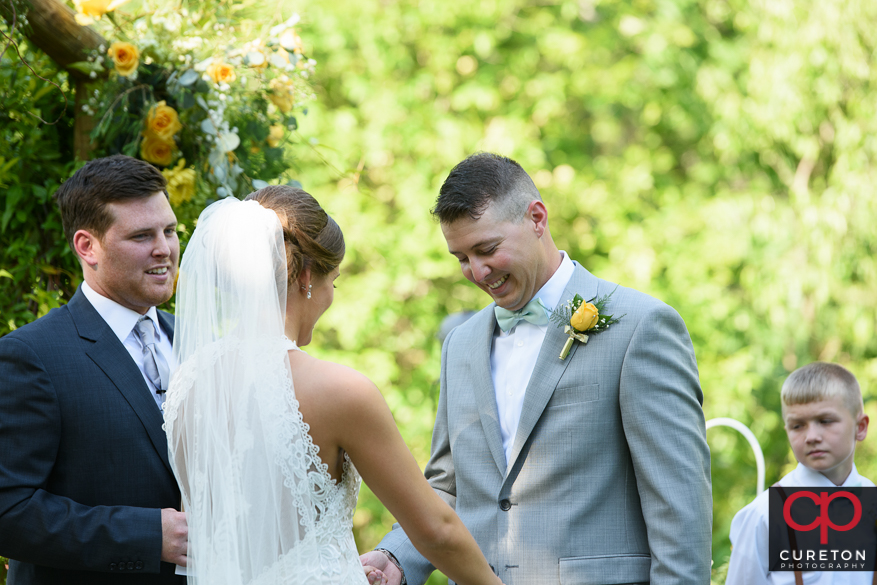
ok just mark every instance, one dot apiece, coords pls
pixel 130 565
pixel 112 566
pixel 121 566
pixel 505 505
pixel 138 565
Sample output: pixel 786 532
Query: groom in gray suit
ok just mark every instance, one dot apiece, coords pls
pixel 593 469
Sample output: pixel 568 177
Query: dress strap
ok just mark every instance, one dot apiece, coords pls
pixel 290 344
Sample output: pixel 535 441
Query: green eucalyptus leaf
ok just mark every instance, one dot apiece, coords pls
pixel 207 127
pixel 228 141
pixel 189 77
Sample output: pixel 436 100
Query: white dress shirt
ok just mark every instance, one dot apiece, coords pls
pixel 750 536
pixel 513 356
pixel 122 321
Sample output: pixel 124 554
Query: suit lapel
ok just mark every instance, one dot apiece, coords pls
pixel 111 356
pixel 483 383
pixel 167 324
pixel 549 367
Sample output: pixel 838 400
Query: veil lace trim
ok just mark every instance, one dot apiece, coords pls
pixel 262 505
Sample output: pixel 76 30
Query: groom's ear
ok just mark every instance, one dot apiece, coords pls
pixel 85 244
pixel 537 214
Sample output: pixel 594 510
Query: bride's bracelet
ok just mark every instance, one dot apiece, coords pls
pixel 392 558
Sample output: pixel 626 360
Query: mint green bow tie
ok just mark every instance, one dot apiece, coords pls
pixel 535 312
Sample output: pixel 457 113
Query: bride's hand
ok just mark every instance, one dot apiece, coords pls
pixel 375 576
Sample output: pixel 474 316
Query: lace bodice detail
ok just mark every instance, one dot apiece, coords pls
pixel 323 508
pixel 330 557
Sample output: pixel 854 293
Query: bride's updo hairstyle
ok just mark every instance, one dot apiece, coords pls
pixel 313 239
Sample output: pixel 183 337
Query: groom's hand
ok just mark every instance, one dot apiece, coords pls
pixel 378 560
pixel 174 536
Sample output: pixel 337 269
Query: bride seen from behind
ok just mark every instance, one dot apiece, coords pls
pixel 268 442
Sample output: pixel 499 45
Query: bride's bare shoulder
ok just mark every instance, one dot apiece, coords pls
pixel 331 383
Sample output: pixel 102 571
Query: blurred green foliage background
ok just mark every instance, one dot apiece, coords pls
pixel 716 154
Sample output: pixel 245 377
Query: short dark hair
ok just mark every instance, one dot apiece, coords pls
pixel 313 239
pixel 83 198
pixel 481 180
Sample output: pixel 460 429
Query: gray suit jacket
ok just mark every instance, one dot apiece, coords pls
pixel 609 478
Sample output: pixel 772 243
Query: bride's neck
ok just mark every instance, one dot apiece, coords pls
pixel 292 330
pixel 293 326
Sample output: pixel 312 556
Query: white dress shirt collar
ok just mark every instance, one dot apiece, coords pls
pixel 120 319
pixel 804 476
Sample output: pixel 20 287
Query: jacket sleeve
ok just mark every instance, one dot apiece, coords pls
pixel 660 401
pixel 40 527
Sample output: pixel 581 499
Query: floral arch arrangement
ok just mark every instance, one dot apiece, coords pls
pixel 209 98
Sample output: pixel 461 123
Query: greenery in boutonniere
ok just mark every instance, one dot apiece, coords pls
pixel 577 316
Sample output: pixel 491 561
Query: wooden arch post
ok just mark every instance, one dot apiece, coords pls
pixel 54 30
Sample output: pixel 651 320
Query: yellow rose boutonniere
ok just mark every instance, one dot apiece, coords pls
pixel 577 316
pixel 180 183
pixel 221 72
pixel 126 58
pixel 281 93
pixel 155 150
pixel 585 317
pixel 162 122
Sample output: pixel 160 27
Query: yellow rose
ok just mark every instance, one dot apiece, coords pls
pixel 275 135
pixel 180 183
pixel 126 58
pixel 585 317
pixel 162 122
pixel 87 10
pixel 281 94
pixel 221 72
pixel 155 150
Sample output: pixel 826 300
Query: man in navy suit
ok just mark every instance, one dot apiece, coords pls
pixel 86 491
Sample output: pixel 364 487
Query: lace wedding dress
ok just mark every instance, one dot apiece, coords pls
pixel 261 506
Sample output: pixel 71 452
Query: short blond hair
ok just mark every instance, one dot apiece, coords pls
pixel 819 381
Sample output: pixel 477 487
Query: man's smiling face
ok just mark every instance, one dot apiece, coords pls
pixel 135 262
pixel 503 258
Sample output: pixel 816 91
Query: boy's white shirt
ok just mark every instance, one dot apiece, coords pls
pixel 750 534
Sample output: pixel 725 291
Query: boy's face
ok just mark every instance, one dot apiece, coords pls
pixel 823 436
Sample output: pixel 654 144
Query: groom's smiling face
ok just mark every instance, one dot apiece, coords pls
pixel 505 259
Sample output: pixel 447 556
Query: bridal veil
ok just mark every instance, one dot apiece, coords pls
pixel 247 468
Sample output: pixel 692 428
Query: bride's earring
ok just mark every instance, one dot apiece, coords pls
pixel 310 286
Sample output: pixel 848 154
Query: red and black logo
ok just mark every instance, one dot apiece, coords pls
pixel 823 529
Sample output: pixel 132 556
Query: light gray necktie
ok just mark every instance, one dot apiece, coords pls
pixel 153 362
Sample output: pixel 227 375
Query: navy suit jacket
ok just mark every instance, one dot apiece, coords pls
pixel 84 468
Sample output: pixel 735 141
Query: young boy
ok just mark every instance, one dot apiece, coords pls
pixel 824 418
